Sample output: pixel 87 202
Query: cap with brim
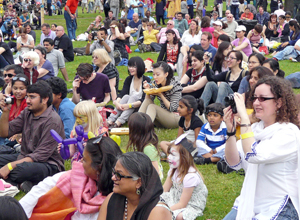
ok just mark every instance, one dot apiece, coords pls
pixel 189 146
pixel 240 28
pixel 219 23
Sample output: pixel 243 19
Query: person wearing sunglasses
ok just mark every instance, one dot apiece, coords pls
pixel 30 60
pixel 10 18
pixel 8 73
pixel 268 151
pixel 136 192
pixel 92 177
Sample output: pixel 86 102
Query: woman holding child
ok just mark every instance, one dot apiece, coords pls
pixel 268 152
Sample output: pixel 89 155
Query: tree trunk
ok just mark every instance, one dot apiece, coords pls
pixel 289 6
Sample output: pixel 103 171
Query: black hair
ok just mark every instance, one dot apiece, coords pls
pixel 138 164
pixel 288 13
pixel 198 54
pixel 123 21
pixel 104 156
pixel 103 29
pixel 258 28
pixel 259 57
pixel 282 16
pixel 85 70
pixel 192 103
pixel 11 209
pixel 295 24
pixel 215 107
pixel 58 86
pixel 42 50
pixel 170 31
pixel 197 47
pixel 26 25
pixel 224 37
pixel 180 13
pixel 145 20
pixel 166 68
pixel 140 65
pixel 274 65
pixel 43 89
pixel 205 22
pixel 17 68
pixel 239 56
pixel 219 57
pixel 26 82
pixel 49 40
pixel 54 24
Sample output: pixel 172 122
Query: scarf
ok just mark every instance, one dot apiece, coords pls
pixel 148 200
pixel 195 76
pixel 246 205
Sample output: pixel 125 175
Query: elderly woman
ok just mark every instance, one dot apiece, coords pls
pixel 136 191
pixel 149 37
pixel 25 42
pixel 103 65
pixel 268 152
pixel 30 60
pixel 95 25
pixel 92 178
pixel 45 67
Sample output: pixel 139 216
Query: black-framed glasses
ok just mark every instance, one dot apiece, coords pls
pixel 27 60
pixel 261 99
pixel 120 176
pixel 8 75
pixel 230 58
pixel 19 78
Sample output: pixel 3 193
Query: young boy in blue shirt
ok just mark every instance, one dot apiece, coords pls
pixel 212 137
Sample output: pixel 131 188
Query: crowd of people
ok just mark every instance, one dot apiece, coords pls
pixel 212 81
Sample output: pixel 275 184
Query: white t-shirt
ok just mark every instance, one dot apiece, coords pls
pixel 29 40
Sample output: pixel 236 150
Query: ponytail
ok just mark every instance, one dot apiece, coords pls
pixel 192 103
pixel 166 68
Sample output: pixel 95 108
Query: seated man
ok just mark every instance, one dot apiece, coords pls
pixel 134 24
pixel 6 56
pixel 56 57
pixel 39 157
pixel 109 19
pixel 289 52
pixel 247 15
pixel 61 104
pixel 63 43
pixel 101 43
pixel 8 73
pixel 37 14
pixel 181 24
pixel 46 33
pixel 90 85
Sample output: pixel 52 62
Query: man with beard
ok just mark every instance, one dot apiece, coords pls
pixel 39 157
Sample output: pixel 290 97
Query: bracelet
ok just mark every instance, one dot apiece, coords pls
pixel 10 167
pixel 245 125
pixel 89 42
pixel 229 134
pixel 130 105
pixel 247 135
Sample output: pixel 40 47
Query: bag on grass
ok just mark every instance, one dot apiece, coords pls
pixel 264 49
pixel 223 167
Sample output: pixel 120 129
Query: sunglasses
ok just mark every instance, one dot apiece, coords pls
pixel 94 57
pixel 120 176
pixel 261 99
pixel 8 75
pixel 19 78
pixel 27 60
pixel 169 24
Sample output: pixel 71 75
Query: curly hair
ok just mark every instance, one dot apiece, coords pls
pixel 281 89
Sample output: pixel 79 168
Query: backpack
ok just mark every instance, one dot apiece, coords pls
pixel 244 73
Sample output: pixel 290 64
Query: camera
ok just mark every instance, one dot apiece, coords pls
pixel 229 101
pixel 209 55
pixel 9 100
pixel 94 35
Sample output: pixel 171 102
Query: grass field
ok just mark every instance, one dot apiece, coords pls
pixel 223 189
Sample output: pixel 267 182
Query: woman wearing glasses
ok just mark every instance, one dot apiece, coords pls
pixel 30 60
pixel 268 152
pixel 77 193
pixel 230 80
pixel 136 191
pixel 132 96
pixel 149 37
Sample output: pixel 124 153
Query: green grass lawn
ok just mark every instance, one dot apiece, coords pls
pixel 223 189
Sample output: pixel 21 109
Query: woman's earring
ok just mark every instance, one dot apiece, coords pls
pixel 138 191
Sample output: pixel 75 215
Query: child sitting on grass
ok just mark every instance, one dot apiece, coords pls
pixel 212 137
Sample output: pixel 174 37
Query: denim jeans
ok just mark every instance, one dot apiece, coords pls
pixel 216 94
pixel 156 46
pixel 231 215
pixel 71 25
pixel 91 7
pixel 235 11
pixel 286 53
pixel 288 212
pixel 134 34
pixel 3 62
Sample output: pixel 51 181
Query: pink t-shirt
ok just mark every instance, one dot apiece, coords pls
pixel 208 29
pixel 247 50
pixel 191 179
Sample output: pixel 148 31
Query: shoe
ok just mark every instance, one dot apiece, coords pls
pixel 199 160
pixel 14 38
pixel 140 48
pixel 144 48
pixel 7 38
pixel 294 60
pixel 73 40
pixel 26 186
pixel 12 50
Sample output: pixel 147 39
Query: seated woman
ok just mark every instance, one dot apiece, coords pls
pixel 192 35
pixel 273 65
pixel 45 67
pixel 242 43
pixel 136 191
pixel 10 21
pixel 255 60
pixel 25 42
pixel 247 15
pixel 255 36
pixel 132 95
pixel 30 60
pixel 127 31
pixel 218 30
pixel 283 29
pixel 149 37
pixel 117 36
pixel 220 62
pixel 79 192
pixel 170 50
pixel 194 80
pixel 140 32
pixel 103 65
pixel 230 80
pixel 268 152
pixel 270 28
pixel 95 25
pixel 90 85
pixel 205 25
pixel 165 114
pixel 222 38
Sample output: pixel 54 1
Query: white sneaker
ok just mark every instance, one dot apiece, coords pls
pixel 294 60
pixel 73 40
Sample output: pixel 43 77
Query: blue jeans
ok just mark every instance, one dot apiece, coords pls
pixel 235 11
pixel 215 93
pixel 71 26
pixel 134 34
pixel 3 62
pixel 286 53
pixel 91 7
pixel 231 215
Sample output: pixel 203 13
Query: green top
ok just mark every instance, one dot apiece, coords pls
pixel 152 153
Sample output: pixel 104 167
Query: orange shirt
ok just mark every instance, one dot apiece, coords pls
pixel 72 4
pixel 249 16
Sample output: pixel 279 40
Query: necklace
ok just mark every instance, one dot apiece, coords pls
pixel 187 125
pixel 125 214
